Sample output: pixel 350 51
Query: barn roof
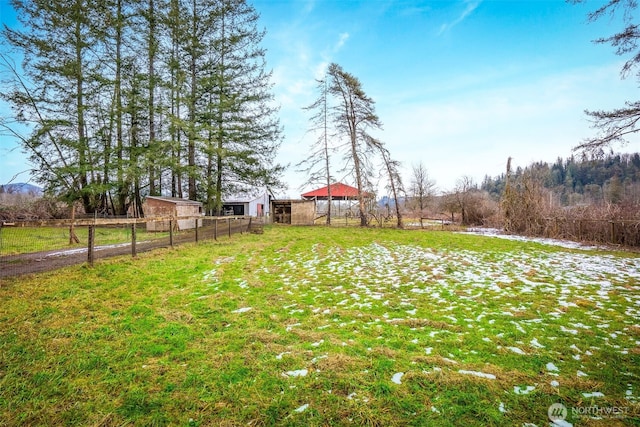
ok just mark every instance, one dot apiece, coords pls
pixel 246 196
pixel 339 191
pixel 174 200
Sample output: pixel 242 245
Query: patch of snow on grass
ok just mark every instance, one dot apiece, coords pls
pixel 516 350
pixel 536 293
pixel 494 232
pixel 523 390
pixel 301 408
pixel 551 367
pixel 536 344
pixel 594 394
pixel 298 373
pixel 478 374
pixel 397 377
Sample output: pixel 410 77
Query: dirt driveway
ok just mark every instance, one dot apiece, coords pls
pixel 37 262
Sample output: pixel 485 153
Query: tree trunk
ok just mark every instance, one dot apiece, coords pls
pixel 154 189
pixel 191 147
pixel 82 139
pixel 122 187
pixel 73 238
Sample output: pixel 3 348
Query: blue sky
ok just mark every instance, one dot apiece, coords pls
pixel 459 85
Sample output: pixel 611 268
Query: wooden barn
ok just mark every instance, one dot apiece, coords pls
pixel 294 212
pixel 155 206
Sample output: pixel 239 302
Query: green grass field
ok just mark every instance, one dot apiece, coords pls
pixel 327 326
pixel 21 240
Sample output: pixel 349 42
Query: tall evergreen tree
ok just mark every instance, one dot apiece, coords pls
pixel 56 39
pixel 355 116
pixel 99 74
pixel 245 131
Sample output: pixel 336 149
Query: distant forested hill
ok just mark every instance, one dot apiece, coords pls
pixel 573 181
pixel 21 188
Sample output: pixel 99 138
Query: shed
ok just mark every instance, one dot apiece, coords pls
pixel 156 206
pixel 254 203
pixel 294 212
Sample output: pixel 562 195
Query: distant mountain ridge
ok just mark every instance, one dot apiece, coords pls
pixel 21 188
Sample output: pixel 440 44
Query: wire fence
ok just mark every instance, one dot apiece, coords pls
pixel 36 246
pixel 616 232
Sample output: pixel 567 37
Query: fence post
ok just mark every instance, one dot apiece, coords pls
pixel 171 232
pixel 133 240
pixel 196 230
pixel 613 231
pixel 90 243
pixel 580 229
pixel 215 229
pixel 229 224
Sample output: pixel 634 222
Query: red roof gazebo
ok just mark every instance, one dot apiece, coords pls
pixel 339 191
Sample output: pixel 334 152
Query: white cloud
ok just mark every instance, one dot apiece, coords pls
pixel 415 10
pixel 474 133
pixel 341 41
pixel 469 8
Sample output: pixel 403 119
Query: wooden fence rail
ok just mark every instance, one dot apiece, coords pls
pixel 20 257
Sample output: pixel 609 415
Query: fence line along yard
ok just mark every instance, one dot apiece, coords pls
pixel 35 246
pixel 608 231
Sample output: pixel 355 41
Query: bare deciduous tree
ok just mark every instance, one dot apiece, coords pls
pixel 317 165
pixel 422 189
pixel 462 195
pixel 395 182
pixel 523 203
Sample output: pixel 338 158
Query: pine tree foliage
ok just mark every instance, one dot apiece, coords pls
pixel 132 97
pixel 60 54
pixel 587 180
pixel 343 117
pixel 354 117
pixel 616 126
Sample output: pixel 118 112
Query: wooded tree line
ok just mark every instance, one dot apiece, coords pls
pixel 596 179
pixel 124 98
